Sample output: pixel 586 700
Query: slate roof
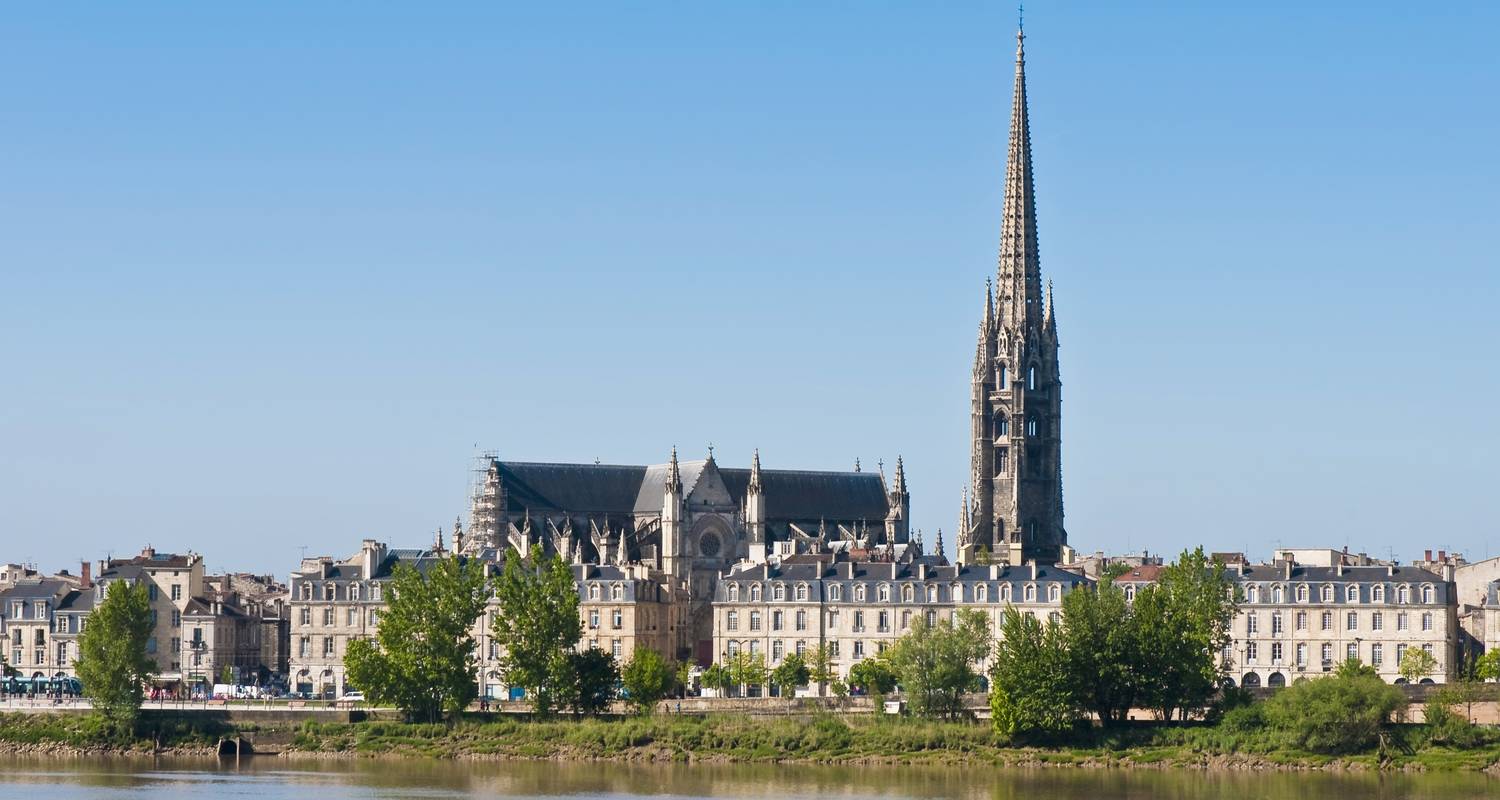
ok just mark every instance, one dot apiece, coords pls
pixel 625 489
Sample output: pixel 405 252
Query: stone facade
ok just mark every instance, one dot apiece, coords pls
pixel 858 607
pixel 40 620
pixel 172 581
pixel 1300 621
pixel 1015 470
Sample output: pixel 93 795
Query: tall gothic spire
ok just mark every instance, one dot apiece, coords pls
pixel 1019 284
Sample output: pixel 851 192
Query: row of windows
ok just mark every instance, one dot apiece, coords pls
pixel 800 620
pixel 1325 653
pixel 616 592
pixel 1034 426
pixel 329 616
pixel 1325 621
pixel 330 591
pixel 909 594
pixel 1326 593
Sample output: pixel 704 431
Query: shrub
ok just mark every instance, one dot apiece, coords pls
pixel 1335 715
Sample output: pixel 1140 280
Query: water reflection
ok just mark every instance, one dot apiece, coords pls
pixel 276 779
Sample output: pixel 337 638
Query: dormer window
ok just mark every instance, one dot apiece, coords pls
pixel 755 593
pixel 883 594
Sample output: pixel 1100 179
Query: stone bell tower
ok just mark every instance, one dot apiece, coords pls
pixel 1015 469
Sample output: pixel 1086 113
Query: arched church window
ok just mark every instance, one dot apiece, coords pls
pixel 1002 460
pixel 1002 384
pixel 1031 377
pixel 1002 424
pixel 1031 426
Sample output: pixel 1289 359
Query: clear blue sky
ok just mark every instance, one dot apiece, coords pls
pixel 270 273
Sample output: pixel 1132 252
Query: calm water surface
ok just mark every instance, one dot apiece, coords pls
pixel 273 779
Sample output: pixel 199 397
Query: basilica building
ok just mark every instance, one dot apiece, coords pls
pixel 686 521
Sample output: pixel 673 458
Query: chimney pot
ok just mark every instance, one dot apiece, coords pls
pixel 1442 555
pixel 1427 555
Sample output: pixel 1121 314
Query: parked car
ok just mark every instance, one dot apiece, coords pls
pixel 352 697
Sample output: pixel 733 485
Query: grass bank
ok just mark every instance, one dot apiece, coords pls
pixel 830 739
pixel 823 738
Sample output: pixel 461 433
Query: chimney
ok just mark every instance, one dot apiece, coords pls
pixel 1032 564
pixel 85 575
pixel 1442 555
pixel 921 572
pixel 1286 568
pixel 1341 568
pixel 1427 556
pixel 994 571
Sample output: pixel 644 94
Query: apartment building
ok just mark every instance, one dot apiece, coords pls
pixel 1299 621
pixel 40 620
pixel 172 581
pixel 858 608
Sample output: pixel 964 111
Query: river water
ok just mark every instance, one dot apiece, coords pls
pixel 275 779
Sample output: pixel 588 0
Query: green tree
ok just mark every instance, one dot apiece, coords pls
pixel 748 671
pixel 820 669
pixel 597 680
pixel 647 678
pixel 1334 715
pixel 422 657
pixel 226 675
pixel 6 670
pixel 719 677
pixel 789 674
pixel 1354 668
pixel 1103 665
pixel 112 662
pixel 1487 666
pixel 874 675
pixel 684 678
pixel 538 625
pixel 935 664
pixel 1416 664
pixel 1027 694
pixel 1182 624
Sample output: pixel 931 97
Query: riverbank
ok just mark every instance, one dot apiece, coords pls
pixel 819 739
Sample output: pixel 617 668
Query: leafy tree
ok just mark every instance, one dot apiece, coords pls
pixel 1182 624
pixel 1416 664
pixel 936 663
pixel 718 677
pixel 1487 666
pixel 820 669
pixel 1103 665
pixel 647 678
pixel 874 675
pixel 226 675
pixel 1354 668
pixel 422 657
pixel 982 556
pixel 112 662
pixel 1027 694
pixel 791 673
pixel 1334 715
pixel 597 677
pixel 684 678
pixel 748 670
pixel 6 670
pixel 538 625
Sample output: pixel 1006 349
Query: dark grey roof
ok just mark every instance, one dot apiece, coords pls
pixel 34 590
pixel 597 488
pixel 624 489
pixel 77 600
pixel 1300 574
